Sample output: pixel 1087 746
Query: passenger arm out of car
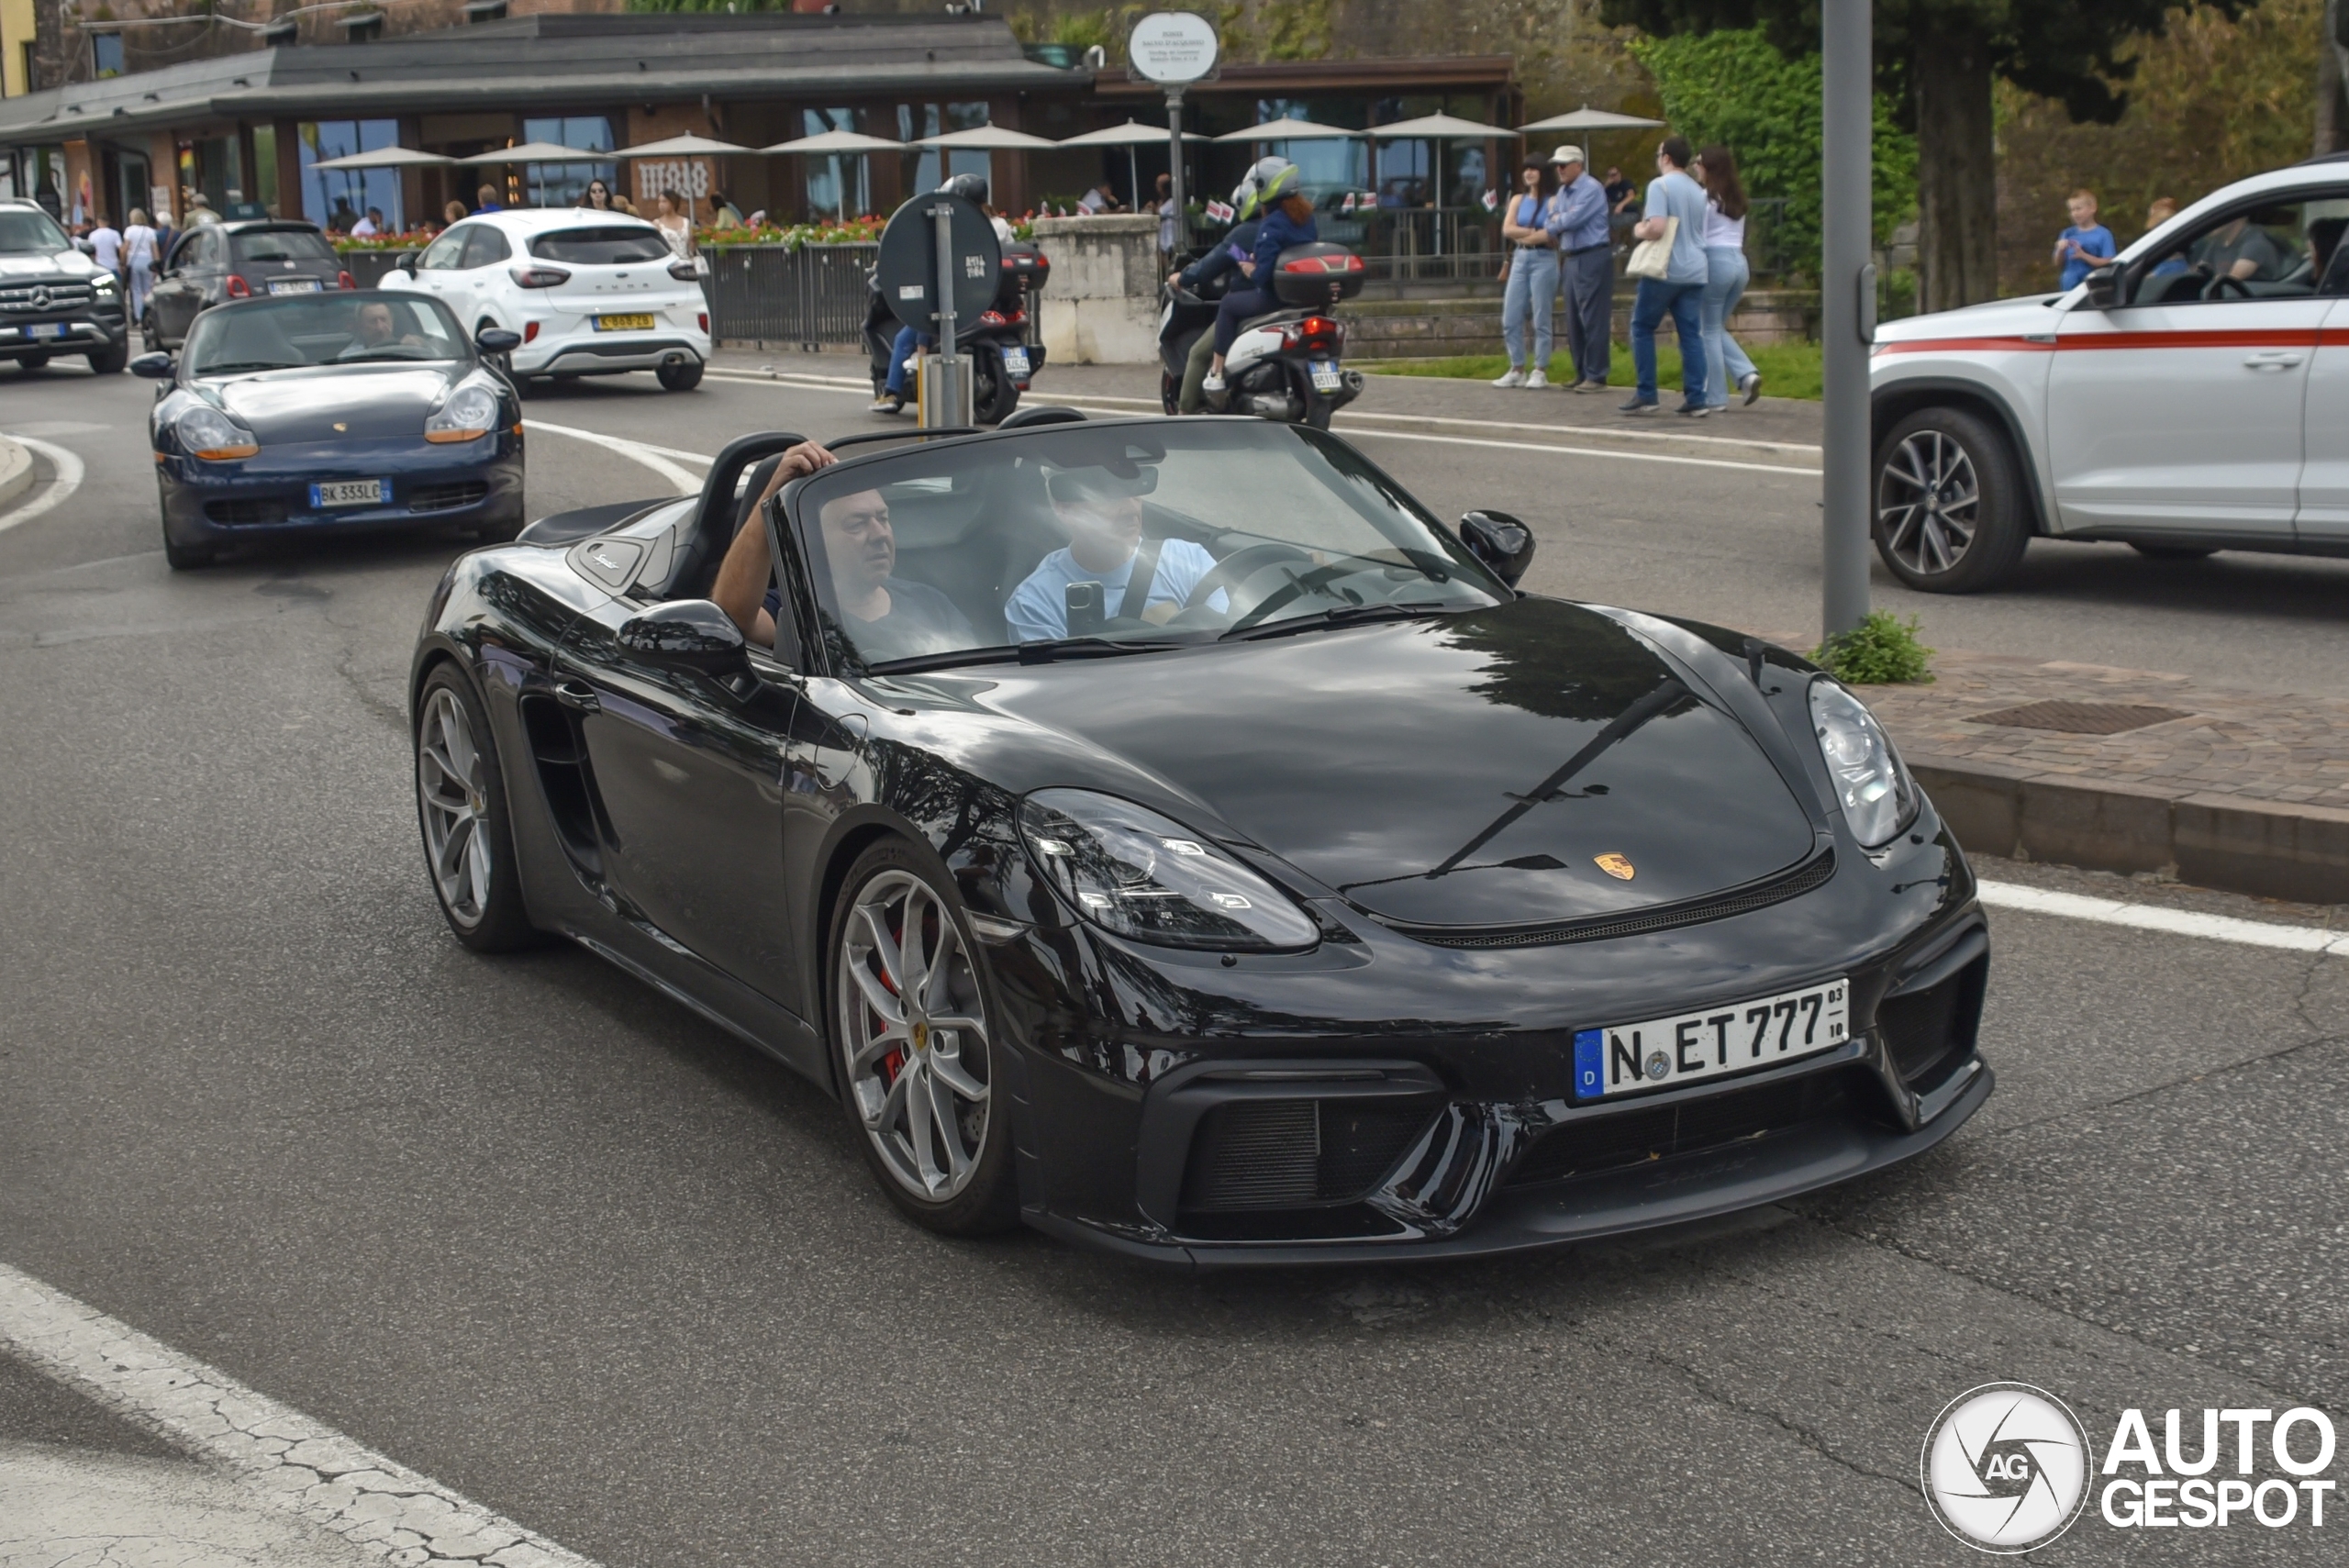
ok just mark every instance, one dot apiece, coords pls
pixel 742 577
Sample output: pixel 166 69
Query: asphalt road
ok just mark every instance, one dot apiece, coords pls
pixel 533 1230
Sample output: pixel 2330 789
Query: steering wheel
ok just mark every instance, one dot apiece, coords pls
pixel 2218 286
pixel 1240 566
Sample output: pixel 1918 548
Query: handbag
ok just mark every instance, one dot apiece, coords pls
pixel 1653 258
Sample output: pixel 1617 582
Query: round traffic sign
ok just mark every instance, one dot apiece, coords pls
pixel 906 272
pixel 1173 47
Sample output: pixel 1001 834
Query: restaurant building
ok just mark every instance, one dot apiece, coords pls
pixel 248 126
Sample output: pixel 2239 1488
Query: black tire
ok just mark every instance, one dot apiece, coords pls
pixel 495 919
pixel 682 377
pixel 1170 389
pixel 32 364
pixel 1318 411
pixel 2174 551
pixel 997 396
pixel 1949 511
pixel 109 361
pixel 987 1202
pixel 186 557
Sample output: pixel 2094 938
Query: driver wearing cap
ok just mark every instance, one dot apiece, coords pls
pixel 1102 512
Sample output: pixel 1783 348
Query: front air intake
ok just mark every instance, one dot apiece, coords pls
pixel 1261 1154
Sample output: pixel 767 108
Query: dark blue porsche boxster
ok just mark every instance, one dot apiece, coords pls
pixel 345 411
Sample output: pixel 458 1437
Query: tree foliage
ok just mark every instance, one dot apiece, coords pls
pixel 1735 88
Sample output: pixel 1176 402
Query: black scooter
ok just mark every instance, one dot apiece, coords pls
pixel 1003 361
pixel 1284 365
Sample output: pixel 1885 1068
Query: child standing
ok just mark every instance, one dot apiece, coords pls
pixel 2087 245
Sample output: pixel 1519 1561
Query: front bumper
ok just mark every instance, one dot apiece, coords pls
pixel 86 330
pixel 433 485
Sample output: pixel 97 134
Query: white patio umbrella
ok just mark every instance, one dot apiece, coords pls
pixel 1290 130
pixel 535 152
pixel 1130 136
pixel 1589 118
pixel 834 143
pixel 388 158
pixel 986 139
pixel 686 145
pixel 1438 129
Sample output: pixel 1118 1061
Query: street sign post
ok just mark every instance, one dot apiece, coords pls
pixel 1172 48
pixel 1847 309
pixel 940 264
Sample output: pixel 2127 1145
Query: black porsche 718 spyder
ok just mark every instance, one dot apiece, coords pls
pixel 1168 834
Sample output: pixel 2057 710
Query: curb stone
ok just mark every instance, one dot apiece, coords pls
pixel 16 470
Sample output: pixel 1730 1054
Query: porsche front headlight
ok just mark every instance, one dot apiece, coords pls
pixel 213 435
pixel 469 414
pixel 1138 874
pixel 1875 790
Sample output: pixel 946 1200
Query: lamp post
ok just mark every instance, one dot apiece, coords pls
pixel 1847 309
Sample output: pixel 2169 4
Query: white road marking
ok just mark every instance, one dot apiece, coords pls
pixel 282 1457
pixel 1349 423
pixel 69 479
pixel 652 457
pixel 2178 922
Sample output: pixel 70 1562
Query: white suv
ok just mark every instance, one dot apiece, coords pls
pixel 591 292
pixel 2191 398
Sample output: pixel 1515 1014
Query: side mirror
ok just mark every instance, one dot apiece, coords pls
pixel 2104 287
pixel 1501 541
pixel 691 634
pixel 405 261
pixel 156 366
pixel 496 341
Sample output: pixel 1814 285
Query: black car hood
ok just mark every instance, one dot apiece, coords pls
pixel 1401 763
pixel 369 400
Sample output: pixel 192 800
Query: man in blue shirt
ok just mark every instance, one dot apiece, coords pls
pixel 1673 193
pixel 1288 220
pixel 1576 220
pixel 1102 512
pixel 2087 245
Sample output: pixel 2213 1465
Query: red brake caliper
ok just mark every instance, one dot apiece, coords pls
pixel 894 1062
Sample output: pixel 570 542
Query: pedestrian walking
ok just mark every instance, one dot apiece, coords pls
pixel 1726 275
pixel 106 247
pixel 599 195
pixel 1165 218
pixel 485 200
pixel 140 246
pixel 1674 219
pixel 674 226
pixel 1577 222
pixel 1530 268
pixel 2087 245
pixel 453 212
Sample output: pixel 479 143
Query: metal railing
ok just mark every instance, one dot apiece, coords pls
pixel 813 296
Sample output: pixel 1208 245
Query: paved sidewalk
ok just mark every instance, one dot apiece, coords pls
pixel 69 1507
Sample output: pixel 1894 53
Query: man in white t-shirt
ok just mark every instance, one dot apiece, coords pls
pixel 106 247
pixel 373 223
pixel 1102 512
pixel 1673 194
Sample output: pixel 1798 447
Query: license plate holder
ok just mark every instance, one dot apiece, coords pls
pixel 51 329
pixel 1324 373
pixel 293 285
pixel 1015 363
pixel 634 322
pixel 328 494
pixel 1712 1042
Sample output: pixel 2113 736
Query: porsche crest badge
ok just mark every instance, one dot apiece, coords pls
pixel 340 425
pixel 1619 867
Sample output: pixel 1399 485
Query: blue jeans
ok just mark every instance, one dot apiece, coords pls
pixel 1532 291
pixel 909 341
pixel 1682 302
pixel 1725 363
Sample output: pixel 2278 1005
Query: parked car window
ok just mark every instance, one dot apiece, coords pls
pixel 978 546
pixel 2282 249
pixel 445 254
pixel 30 232
pixel 610 246
pixel 280 245
pixel 483 246
pixel 192 253
pixel 291 331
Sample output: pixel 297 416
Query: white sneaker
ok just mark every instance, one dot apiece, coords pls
pixel 1536 380
pixel 1751 387
pixel 1516 377
pixel 1214 382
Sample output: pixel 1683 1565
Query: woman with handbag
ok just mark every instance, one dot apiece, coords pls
pixel 1530 267
pixel 1670 265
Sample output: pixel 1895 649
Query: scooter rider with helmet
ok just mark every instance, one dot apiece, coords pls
pixel 1234 252
pixel 971 188
pixel 1288 220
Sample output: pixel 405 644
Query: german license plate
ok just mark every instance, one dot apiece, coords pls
pixel 624 324
pixel 1015 363
pixel 1324 373
pixel 48 330
pixel 293 286
pixel 1664 1052
pixel 352 492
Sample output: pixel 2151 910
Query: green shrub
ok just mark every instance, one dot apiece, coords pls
pixel 1882 650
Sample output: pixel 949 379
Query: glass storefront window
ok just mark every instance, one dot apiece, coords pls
pixel 336 198
pixel 935 121
pixel 565 185
pixel 839 183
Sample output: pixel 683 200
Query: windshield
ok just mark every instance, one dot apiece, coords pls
pixel 609 245
pixel 323 329
pixel 1116 537
pixel 280 245
pixel 29 230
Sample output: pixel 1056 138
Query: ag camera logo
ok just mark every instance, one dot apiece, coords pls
pixel 2006 1467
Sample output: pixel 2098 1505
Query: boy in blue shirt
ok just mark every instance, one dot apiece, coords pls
pixel 2087 245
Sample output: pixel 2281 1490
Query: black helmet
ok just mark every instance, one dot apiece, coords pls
pixel 970 187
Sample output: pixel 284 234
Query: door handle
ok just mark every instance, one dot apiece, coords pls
pixel 578 694
pixel 2272 360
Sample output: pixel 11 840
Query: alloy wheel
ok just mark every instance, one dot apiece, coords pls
pixel 913 1035
pixel 1928 502
pixel 450 784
